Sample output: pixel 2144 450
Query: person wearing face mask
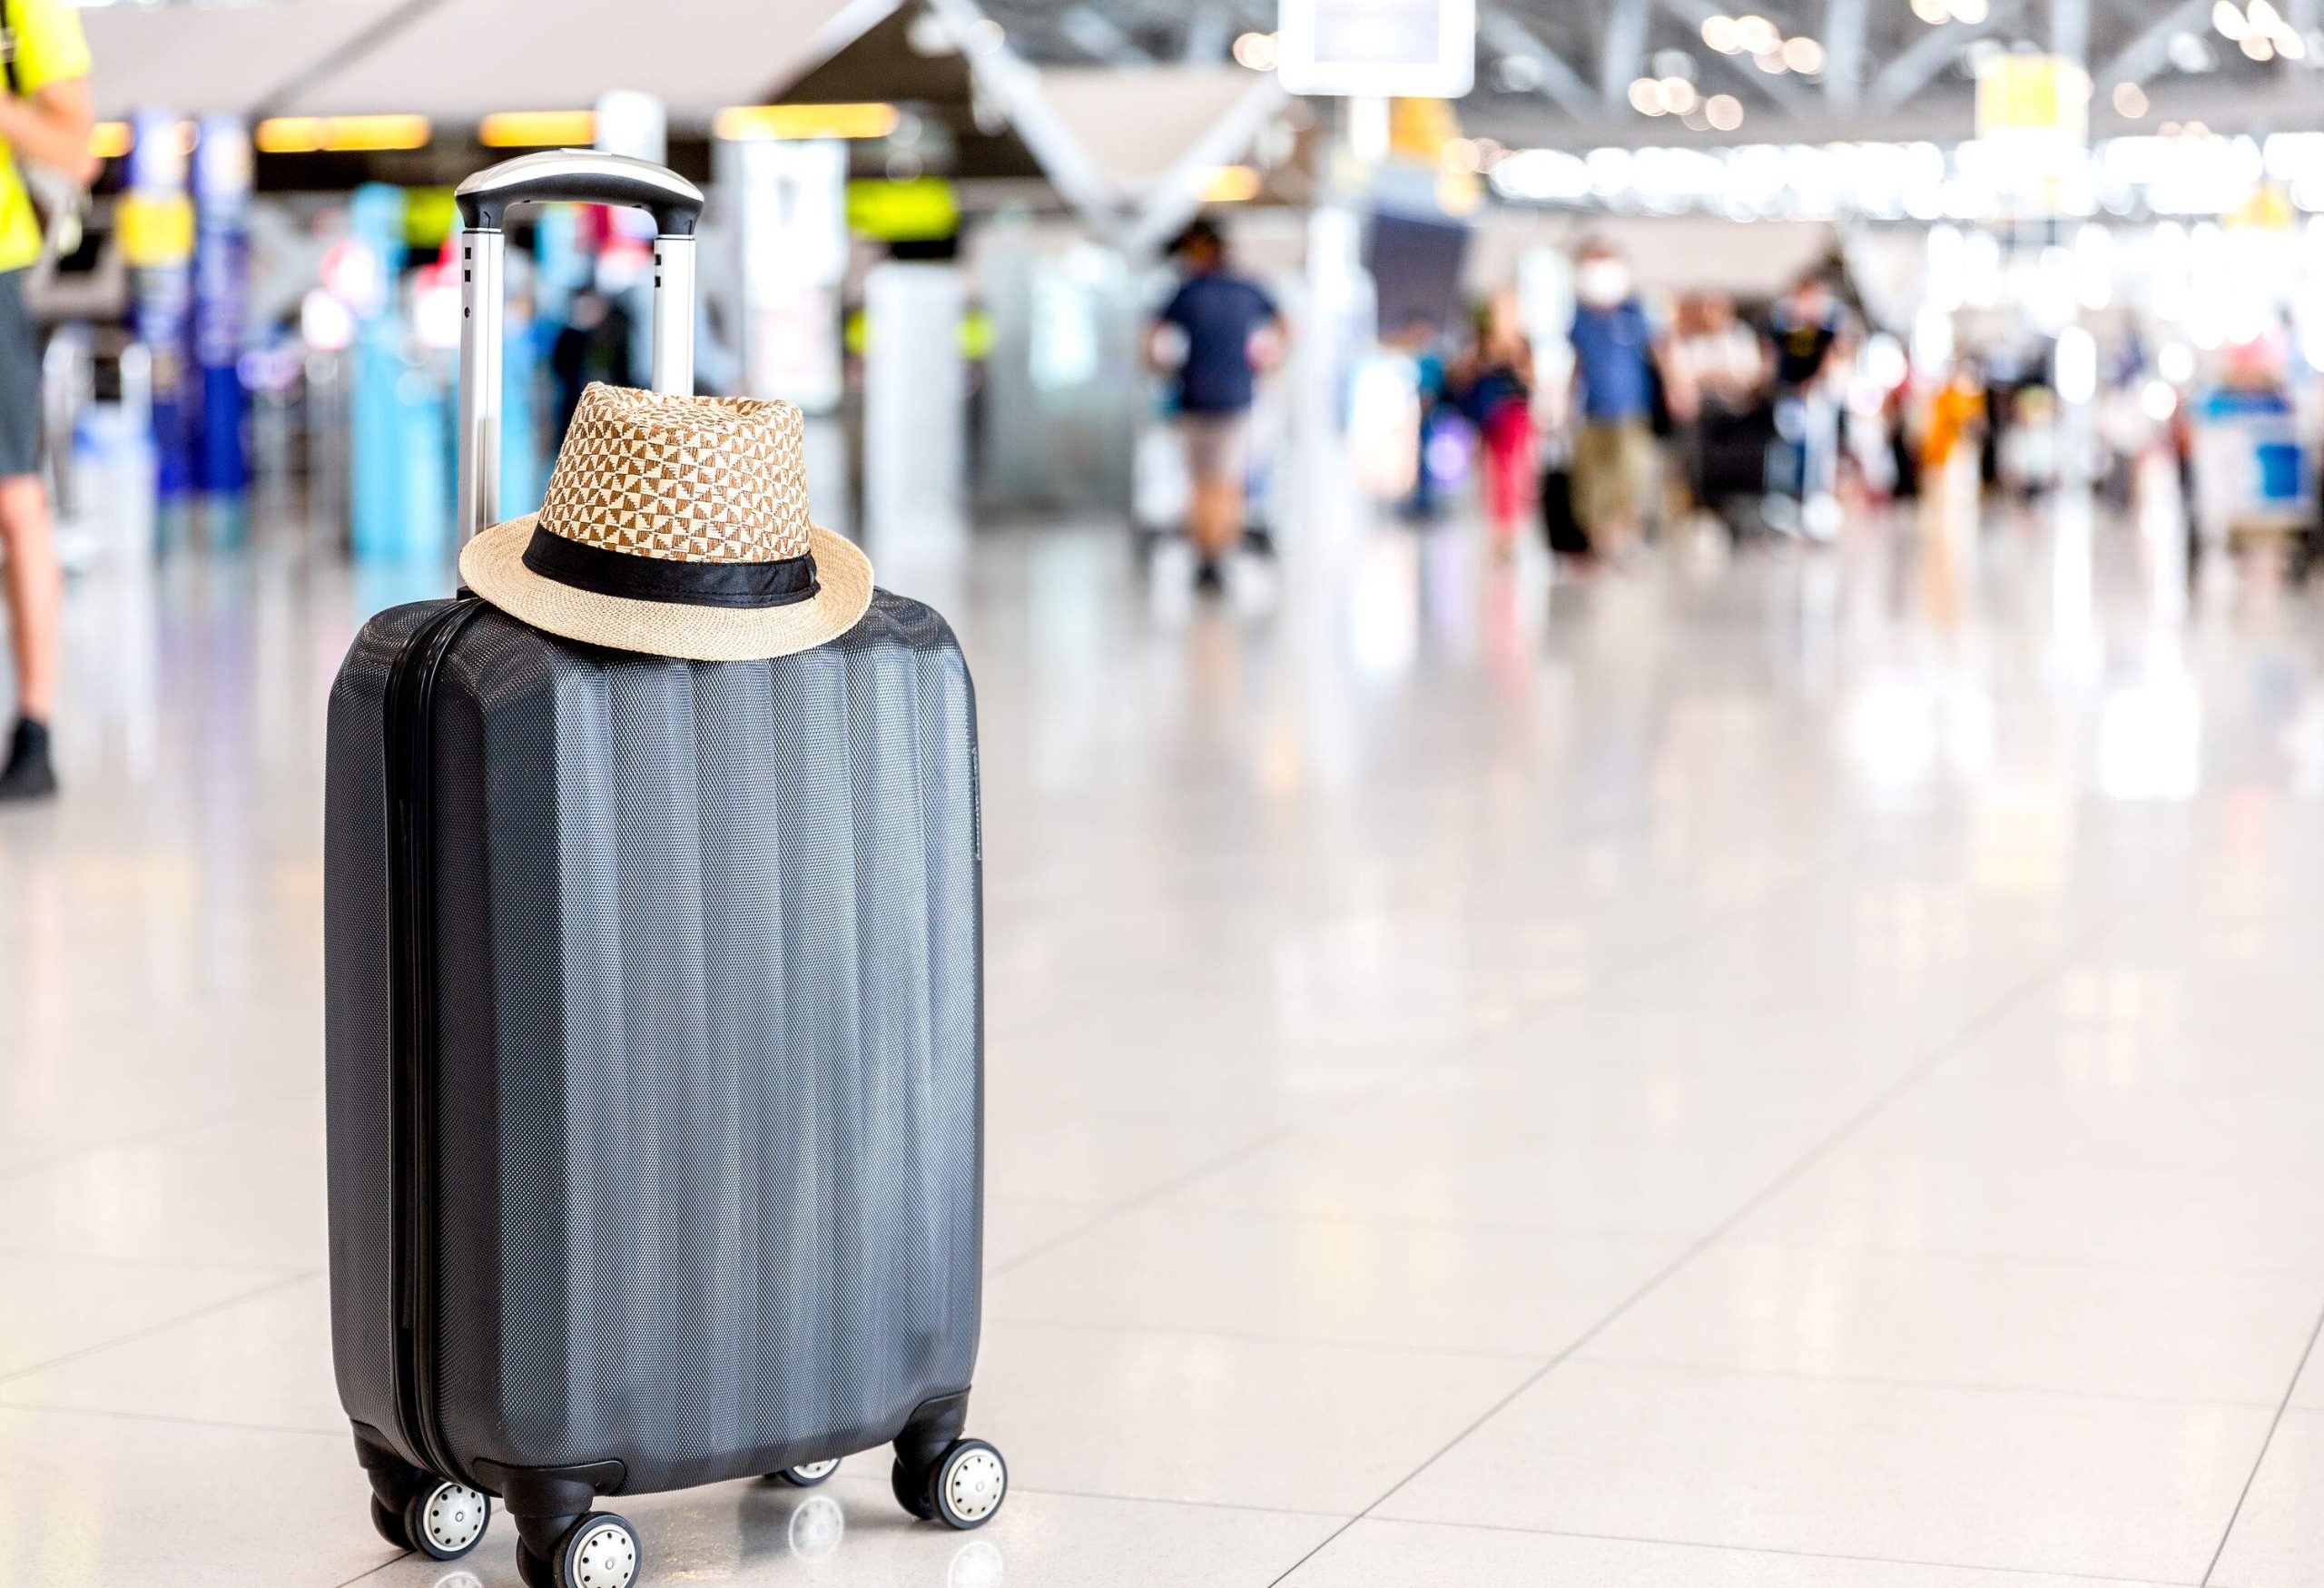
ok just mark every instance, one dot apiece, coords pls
pixel 1619 378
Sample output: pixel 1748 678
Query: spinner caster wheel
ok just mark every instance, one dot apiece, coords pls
pixel 599 1550
pixel 911 1490
pixel 963 1490
pixel 807 1474
pixel 444 1520
pixel 389 1522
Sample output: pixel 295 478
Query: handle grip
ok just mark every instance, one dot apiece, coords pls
pixel 559 176
pixel 579 177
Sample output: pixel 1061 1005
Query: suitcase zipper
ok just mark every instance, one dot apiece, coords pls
pixel 411 905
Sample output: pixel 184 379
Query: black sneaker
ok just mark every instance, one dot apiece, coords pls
pixel 28 774
pixel 1208 578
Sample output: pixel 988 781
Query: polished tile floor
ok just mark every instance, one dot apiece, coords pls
pixel 1788 1072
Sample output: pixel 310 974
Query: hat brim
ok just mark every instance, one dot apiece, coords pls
pixel 492 565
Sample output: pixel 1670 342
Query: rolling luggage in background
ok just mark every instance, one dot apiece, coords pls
pixel 1559 527
pixel 654 1031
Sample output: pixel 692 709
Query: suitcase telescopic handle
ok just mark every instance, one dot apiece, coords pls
pixel 578 176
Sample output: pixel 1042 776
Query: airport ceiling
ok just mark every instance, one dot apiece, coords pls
pixel 1554 73
pixel 1557 73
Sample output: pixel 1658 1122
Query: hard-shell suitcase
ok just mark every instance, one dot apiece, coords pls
pixel 654 1037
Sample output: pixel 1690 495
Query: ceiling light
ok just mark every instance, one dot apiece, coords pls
pixel 1932 11
pixel 1646 97
pixel 2229 18
pixel 2264 17
pixel 1757 33
pixel 1803 56
pixel 1722 33
pixel 1972 12
pixel 2290 46
pixel 2190 54
pixel 1678 95
pixel 340 135
pixel 2129 99
pixel 2257 46
pixel 1256 51
pixel 1723 112
pixel 872 120
pixel 537 129
pixel 1227 184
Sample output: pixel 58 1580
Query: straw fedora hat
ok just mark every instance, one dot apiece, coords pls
pixel 675 526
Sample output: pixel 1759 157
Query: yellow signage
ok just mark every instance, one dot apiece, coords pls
pixel 920 209
pixel 2041 94
pixel 154 229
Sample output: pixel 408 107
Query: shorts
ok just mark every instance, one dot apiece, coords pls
pixel 19 379
pixel 1219 445
pixel 1614 470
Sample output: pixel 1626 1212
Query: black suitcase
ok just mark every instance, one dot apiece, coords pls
pixel 1559 527
pixel 654 1046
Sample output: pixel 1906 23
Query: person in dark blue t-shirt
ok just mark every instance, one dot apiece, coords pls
pixel 1226 331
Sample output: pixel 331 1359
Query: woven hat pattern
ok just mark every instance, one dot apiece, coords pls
pixel 682 478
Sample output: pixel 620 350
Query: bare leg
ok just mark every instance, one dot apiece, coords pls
pixel 1216 516
pixel 34 588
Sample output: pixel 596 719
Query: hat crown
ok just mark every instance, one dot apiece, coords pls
pixel 682 478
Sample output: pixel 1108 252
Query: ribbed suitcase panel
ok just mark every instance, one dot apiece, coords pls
pixel 709 962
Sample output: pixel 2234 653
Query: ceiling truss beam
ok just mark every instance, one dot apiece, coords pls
pixel 1934 51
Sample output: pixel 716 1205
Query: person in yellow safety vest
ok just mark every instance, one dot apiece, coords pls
pixel 45 117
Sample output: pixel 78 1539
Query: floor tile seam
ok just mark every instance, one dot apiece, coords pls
pixel 141 1261
pixel 1016 1486
pixel 2267 1442
pixel 1257 1337
pixel 2125 1164
pixel 1367 1218
pixel 871 1484
pixel 2197 1271
pixel 134 1138
pixel 1696 1543
pixel 1901 1381
pixel 1921 1069
pixel 1450 1221
pixel 115 1414
pixel 1169 1184
pixel 162 1325
pixel 1363 1097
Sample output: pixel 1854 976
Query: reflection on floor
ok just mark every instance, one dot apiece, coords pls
pixel 1797 1071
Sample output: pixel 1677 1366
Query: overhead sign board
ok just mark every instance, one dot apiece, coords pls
pixel 1424 49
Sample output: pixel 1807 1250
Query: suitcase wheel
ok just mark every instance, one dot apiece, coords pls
pixel 911 1490
pixel 964 1489
pixel 389 1522
pixel 598 1550
pixel 443 1520
pixel 807 1474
